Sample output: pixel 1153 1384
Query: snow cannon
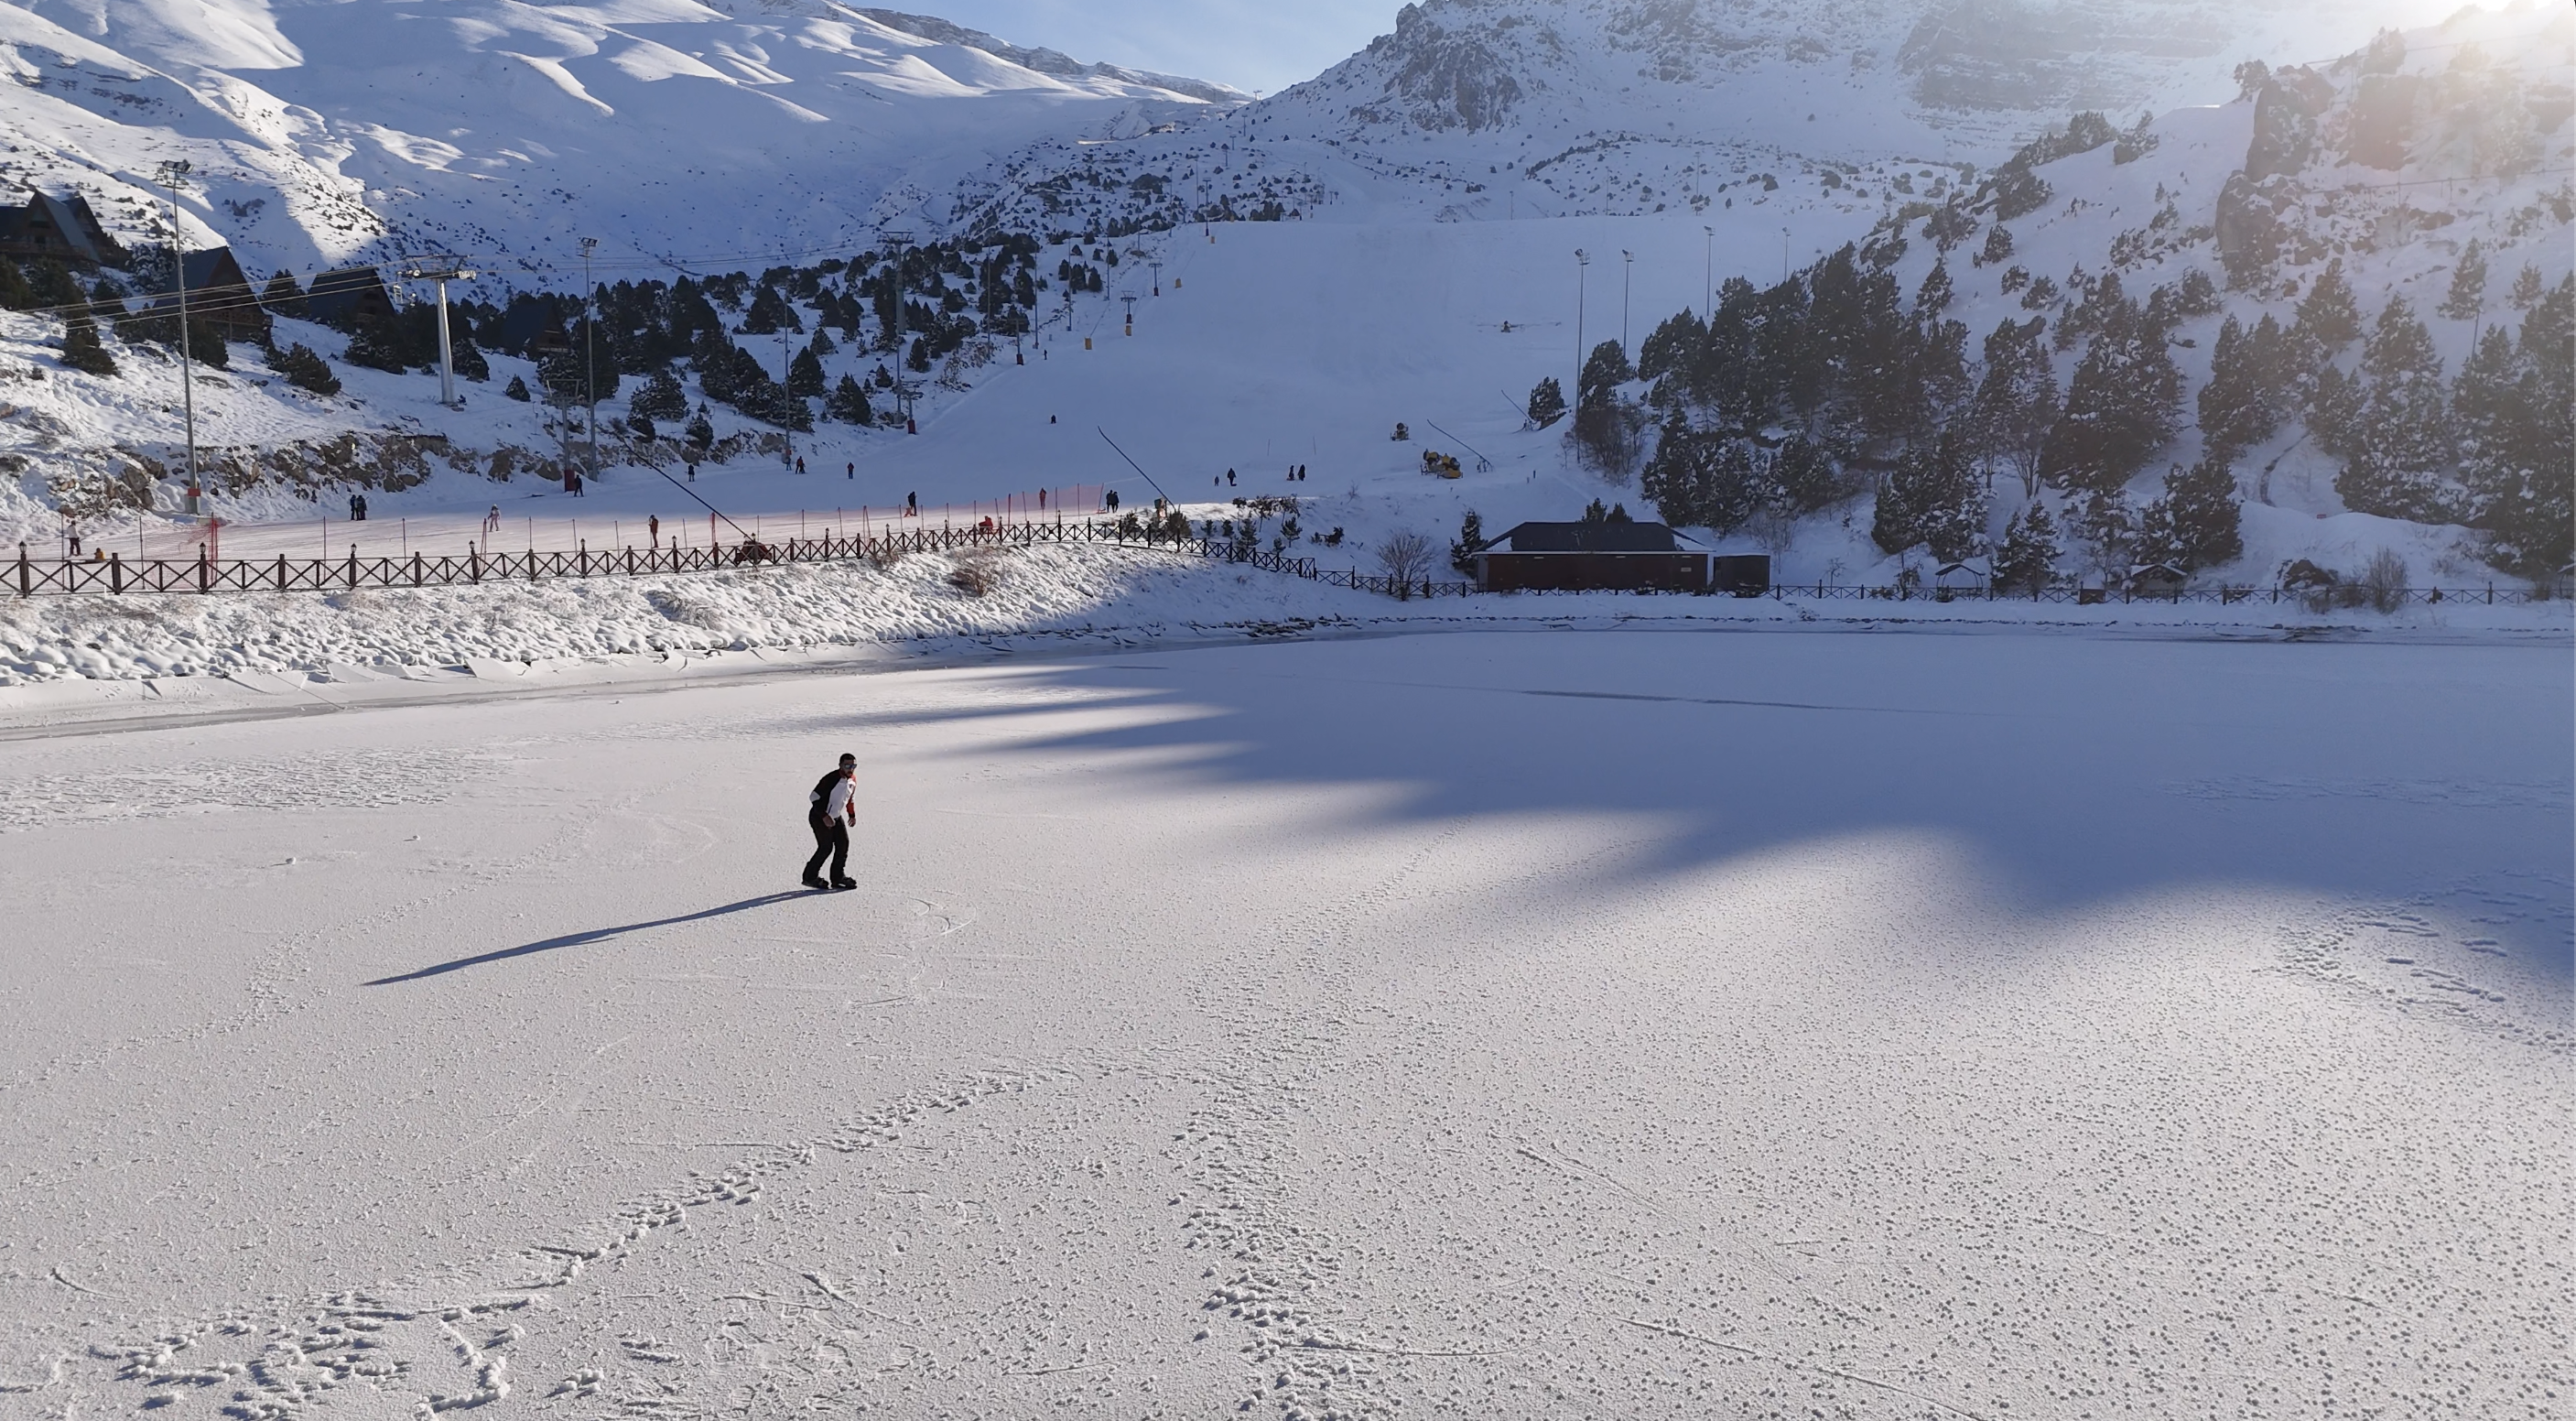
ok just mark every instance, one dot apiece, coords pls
pixel 1443 465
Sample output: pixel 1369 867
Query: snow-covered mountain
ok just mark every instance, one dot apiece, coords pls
pixel 741 131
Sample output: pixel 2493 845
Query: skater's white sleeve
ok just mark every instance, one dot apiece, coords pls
pixel 843 793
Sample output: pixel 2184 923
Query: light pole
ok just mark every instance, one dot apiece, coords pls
pixel 589 340
pixel 1708 272
pixel 442 272
pixel 1582 265
pixel 1784 256
pixel 174 175
pixel 1627 268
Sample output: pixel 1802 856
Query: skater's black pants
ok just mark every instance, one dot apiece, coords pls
pixel 832 841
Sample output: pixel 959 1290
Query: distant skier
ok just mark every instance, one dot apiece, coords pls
pixel 831 813
pixel 800 463
pixel 851 472
pixel 912 505
pixel 492 520
pixel 1229 478
pixel 357 508
pixel 653 527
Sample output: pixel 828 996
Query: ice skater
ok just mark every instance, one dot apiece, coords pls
pixel 831 813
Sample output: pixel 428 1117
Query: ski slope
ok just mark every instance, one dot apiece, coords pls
pixel 1512 1025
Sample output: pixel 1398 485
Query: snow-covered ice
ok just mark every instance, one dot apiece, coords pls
pixel 1497 1023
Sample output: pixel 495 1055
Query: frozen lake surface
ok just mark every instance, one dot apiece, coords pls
pixel 1489 1024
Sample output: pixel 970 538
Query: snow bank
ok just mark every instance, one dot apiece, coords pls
pixel 1044 593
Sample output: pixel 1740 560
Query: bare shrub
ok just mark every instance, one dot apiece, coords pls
pixel 1406 556
pixel 884 554
pixel 976 572
pixel 2384 579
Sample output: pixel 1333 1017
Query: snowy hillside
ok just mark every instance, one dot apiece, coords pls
pixel 1261 344
pixel 666 128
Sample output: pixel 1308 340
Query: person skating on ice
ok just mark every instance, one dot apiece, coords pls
pixel 831 813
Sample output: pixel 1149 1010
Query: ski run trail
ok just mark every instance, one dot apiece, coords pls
pixel 1753 1019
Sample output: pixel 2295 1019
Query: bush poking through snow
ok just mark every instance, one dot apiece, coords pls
pixel 977 572
pixel 2383 578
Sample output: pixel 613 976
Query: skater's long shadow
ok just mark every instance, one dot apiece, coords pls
pixel 586 938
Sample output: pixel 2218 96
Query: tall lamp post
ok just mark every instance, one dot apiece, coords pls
pixel 174 175
pixel 1708 273
pixel 442 272
pixel 1582 265
pixel 1627 268
pixel 589 341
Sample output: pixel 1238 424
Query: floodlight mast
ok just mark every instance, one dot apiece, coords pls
pixel 174 175
pixel 442 272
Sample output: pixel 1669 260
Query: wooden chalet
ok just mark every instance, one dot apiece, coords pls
pixel 349 297
pixel 62 228
pixel 219 294
pixel 1587 557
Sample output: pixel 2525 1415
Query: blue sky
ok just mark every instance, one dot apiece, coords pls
pixel 1251 44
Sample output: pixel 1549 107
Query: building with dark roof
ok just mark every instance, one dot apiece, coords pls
pixel 220 294
pixel 1590 557
pixel 348 298
pixel 64 229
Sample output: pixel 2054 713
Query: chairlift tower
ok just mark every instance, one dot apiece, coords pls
pixel 896 240
pixel 442 272
pixel 1158 276
pixel 1131 313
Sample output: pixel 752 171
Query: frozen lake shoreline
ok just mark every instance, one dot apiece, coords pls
pixel 1499 1022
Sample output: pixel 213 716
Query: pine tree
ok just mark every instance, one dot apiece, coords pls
pixel 2028 557
pixel 1705 478
pixel 1546 402
pixel 284 298
pixel 2526 288
pixel 2016 403
pixel 1998 247
pixel 1471 540
pixel 770 313
pixel 2519 450
pixel 2121 406
pixel 821 344
pixel 1933 296
pixel 701 432
pixel 2196 524
pixel 848 403
pixel 2468 284
pixel 17 295
pixel 1932 497
pixel 54 288
pixel 805 375
pixel 2237 407
pixel 660 397
pixel 2402 441
pixel 81 348
pixel 2329 318
pixel 375 347
pixel 517 389
pixel 2486 409
pixel 2334 412
pixel 467 358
